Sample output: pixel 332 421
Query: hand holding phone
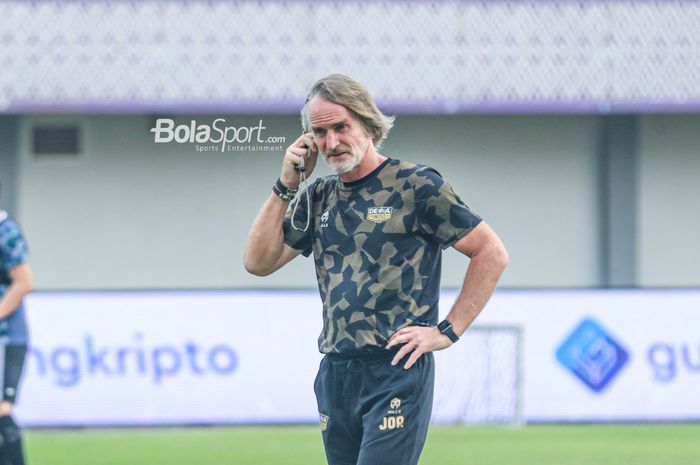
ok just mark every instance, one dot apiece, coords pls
pixel 300 157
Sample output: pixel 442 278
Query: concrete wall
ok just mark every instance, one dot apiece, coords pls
pixel 669 200
pixel 8 162
pixel 129 213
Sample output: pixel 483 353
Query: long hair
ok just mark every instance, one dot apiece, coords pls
pixel 345 91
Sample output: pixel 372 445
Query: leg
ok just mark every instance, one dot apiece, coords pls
pixel 12 437
pixel 399 405
pixel 10 433
pixel 341 433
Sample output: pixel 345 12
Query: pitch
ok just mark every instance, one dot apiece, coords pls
pixel 656 444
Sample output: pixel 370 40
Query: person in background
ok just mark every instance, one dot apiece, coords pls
pixel 15 283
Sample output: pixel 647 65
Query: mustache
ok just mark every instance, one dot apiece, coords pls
pixel 337 151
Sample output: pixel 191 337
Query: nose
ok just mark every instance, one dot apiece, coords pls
pixel 331 141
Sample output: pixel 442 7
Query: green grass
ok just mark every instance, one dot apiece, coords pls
pixel 533 445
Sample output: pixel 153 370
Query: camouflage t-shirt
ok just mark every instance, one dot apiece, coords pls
pixel 377 245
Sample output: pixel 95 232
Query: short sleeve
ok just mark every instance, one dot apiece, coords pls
pixel 292 226
pixel 13 247
pixel 442 215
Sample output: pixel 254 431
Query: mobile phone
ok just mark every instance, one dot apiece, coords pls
pixel 300 165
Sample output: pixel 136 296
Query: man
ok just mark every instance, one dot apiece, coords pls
pixel 15 283
pixel 377 229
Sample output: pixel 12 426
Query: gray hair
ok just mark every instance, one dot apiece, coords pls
pixel 345 91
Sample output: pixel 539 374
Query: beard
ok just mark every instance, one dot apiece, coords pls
pixel 344 164
pixel 347 162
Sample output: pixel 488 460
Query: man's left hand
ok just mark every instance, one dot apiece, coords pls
pixel 417 340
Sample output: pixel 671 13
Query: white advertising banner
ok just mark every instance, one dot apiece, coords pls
pixel 130 358
pixel 605 355
pixel 170 358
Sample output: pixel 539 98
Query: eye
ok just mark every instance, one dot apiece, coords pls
pixel 340 127
pixel 319 132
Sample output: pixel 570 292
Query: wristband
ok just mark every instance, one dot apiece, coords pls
pixel 283 192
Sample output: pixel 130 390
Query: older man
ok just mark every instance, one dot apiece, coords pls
pixel 377 229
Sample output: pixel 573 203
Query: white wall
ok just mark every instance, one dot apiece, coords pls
pixel 128 213
pixel 669 201
pixel 533 178
pixel 132 214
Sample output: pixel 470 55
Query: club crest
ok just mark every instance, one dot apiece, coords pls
pixel 379 214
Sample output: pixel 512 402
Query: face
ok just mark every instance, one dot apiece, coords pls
pixel 338 134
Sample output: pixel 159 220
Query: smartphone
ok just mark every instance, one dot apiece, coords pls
pixel 300 166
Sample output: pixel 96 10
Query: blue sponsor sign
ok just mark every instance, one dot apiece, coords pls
pixel 592 355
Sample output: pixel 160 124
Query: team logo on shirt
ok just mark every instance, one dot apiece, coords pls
pixel 395 403
pixel 379 214
pixel 324 219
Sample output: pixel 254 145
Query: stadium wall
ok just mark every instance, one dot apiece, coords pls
pixel 440 56
pixel 668 198
pixel 127 213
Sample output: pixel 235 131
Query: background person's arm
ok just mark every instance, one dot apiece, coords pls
pixel 21 284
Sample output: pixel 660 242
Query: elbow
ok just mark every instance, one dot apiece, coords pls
pixel 254 268
pixel 27 286
pixel 257 271
pixel 24 286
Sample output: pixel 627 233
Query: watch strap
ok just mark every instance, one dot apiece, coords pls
pixel 445 327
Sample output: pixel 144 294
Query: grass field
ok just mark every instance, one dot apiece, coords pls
pixel 532 445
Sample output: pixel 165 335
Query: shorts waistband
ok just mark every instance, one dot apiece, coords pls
pixel 381 354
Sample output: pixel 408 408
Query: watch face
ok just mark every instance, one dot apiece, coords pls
pixel 445 327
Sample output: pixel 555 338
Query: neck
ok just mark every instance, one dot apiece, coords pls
pixel 369 163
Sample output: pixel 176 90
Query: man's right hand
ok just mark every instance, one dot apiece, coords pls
pixel 291 176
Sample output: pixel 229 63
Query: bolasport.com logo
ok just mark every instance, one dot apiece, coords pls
pixel 217 136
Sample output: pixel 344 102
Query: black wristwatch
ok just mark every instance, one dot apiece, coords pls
pixel 445 327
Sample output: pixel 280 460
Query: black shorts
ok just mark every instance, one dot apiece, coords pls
pixel 12 358
pixel 373 413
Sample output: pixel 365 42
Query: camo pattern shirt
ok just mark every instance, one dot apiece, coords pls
pixel 13 252
pixel 377 245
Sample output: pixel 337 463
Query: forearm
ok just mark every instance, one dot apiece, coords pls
pixel 12 298
pixel 266 239
pixel 481 279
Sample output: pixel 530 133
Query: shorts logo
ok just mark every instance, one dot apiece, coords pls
pixel 324 421
pixel 394 419
pixel 379 214
pixel 592 355
pixel 324 219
